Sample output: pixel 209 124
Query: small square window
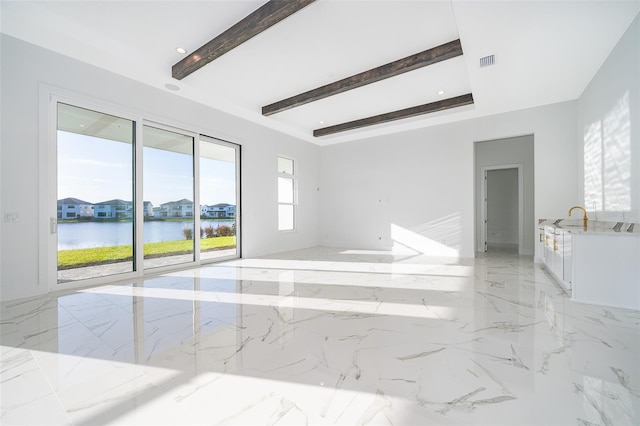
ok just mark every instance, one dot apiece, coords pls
pixel 285 166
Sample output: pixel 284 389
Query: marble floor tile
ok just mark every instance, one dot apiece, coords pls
pixel 323 336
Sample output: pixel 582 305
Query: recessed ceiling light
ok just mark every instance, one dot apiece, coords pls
pixel 181 50
pixel 441 92
pixel 82 125
pixel 321 122
pixel 172 87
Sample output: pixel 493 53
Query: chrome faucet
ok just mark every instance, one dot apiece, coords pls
pixel 584 212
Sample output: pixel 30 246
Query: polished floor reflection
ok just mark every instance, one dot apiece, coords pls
pixel 323 336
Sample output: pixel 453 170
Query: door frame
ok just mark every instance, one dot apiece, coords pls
pixel 48 180
pixel 482 244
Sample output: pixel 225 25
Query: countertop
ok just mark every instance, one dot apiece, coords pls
pixel 576 226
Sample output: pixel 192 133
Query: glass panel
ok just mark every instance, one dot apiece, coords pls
pixel 217 200
pixel 285 166
pixel 168 197
pixel 285 190
pixel 285 217
pixel 95 194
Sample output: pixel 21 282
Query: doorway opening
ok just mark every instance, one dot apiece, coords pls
pixel 502 209
pixel 504 194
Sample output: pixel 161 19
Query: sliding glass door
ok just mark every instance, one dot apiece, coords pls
pixel 131 197
pixel 168 197
pixel 95 198
pixel 219 211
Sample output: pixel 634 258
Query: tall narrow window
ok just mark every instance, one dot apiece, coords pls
pixel 95 202
pixel 168 198
pixel 286 194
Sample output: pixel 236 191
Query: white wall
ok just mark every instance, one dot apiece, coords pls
pixel 25 67
pixel 502 206
pixel 609 134
pixel 516 150
pixel 1 168
pixel 416 187
pixel 420 183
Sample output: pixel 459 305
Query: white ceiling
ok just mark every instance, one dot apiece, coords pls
pixel 546 52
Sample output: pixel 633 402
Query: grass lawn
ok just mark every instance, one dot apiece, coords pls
pixel 101 255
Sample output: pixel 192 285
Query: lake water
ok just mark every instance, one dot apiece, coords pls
pixel 106 234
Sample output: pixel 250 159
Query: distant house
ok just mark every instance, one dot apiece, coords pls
pixel 113 209
pixel 159 213
pixel 73 208
pixel 175 209
pixel 221 210
pixel 148 209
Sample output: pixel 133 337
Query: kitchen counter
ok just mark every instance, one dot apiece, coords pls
pixel 598 265
pixel 576 226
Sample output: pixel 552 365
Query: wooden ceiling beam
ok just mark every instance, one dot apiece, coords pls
pixel 442 105
pixel 392 69
pixel 259 20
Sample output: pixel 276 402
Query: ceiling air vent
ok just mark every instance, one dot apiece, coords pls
pixel 487 61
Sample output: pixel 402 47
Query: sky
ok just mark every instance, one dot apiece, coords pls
pixel 95 170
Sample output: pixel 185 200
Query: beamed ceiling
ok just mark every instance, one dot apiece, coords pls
pixel 331 71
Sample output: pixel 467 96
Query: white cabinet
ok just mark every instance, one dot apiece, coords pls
pixel 607 270
pixel 557 254
pixel 567 258
pixel 540 245
pixel 548 246
pixel 598 263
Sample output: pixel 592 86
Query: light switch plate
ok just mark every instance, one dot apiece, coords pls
pixel 11 217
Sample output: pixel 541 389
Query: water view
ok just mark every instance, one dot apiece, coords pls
pixel 80 235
